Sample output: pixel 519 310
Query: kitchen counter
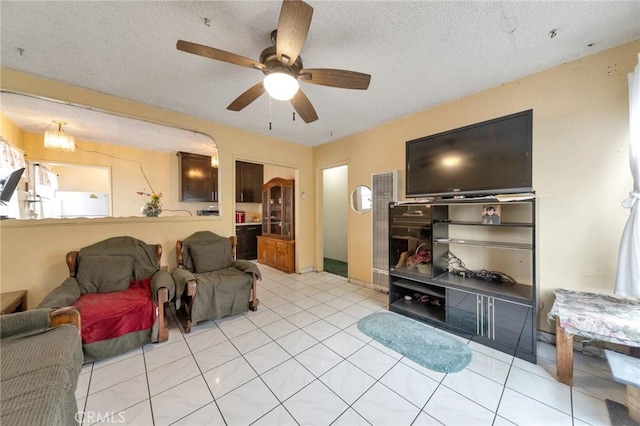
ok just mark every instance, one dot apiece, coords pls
pixel 248 223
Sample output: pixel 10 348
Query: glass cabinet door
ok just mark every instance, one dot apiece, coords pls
pixel 265 213
pixel 278 208
pixel 275 208
pixel 287 213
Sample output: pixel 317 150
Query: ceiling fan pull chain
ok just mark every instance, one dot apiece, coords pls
pixel 294 116
pixel 269 112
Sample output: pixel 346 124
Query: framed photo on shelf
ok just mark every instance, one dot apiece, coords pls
pixel 491 214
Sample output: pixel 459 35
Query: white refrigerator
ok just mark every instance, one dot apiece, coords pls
pixel 83 204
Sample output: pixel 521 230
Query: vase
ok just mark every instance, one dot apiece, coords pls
pixel 151 209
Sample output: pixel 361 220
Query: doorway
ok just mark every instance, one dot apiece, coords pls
pixel 335 213
pixel 68 190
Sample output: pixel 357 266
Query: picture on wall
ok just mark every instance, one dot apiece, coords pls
pixel 491 214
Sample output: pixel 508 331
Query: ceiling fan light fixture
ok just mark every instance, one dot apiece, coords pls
pixel 281 85
pixel 58 140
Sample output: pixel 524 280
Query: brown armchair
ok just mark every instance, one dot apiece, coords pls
pixel 121 293
pixel 210 282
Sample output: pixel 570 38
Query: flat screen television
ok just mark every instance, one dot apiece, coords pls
pixel 492 157
pixel 10 185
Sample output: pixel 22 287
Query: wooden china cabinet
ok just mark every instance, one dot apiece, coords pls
pixel 276 246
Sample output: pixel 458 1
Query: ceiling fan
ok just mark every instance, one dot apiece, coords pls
pixel 282 64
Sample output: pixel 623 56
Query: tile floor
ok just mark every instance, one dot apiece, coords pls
pixel 300 359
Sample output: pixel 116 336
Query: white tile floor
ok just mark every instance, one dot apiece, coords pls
pixel 300 359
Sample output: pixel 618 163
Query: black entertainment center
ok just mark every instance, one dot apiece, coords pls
pixel 460 258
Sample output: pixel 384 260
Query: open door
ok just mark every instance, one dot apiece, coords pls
pixel 335 213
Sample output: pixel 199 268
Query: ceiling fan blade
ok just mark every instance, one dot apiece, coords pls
pixel 303 107
pixel 217 54
pixel 247 97
pixel 293 27
pixel 336 78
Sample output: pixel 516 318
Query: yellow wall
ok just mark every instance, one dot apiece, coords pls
pixel 45 243
pixel 11 133
pixel 83 178
pixel 580 165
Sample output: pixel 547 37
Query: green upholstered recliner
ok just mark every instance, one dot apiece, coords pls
pixel 39 367
pixel 210 282
pixel 121 293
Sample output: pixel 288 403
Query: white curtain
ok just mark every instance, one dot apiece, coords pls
pixel 46 184
pixel 11 159
pixel 628 276
pixel 46 181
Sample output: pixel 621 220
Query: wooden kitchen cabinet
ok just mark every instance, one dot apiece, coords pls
pixel 249 179
pixel 198 180
pixel 277 253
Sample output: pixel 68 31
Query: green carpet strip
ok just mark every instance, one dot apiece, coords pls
pixel 336 267
pixel 429 347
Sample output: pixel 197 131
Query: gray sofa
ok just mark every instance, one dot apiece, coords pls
pixel 39 367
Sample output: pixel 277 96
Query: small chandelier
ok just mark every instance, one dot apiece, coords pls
pixel 281 85
pixel 59 140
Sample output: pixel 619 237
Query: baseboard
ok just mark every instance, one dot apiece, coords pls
pixel 369 285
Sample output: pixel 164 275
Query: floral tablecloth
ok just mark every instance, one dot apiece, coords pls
pixel 598 316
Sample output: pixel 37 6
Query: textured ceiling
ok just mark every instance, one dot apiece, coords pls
pixel 420 54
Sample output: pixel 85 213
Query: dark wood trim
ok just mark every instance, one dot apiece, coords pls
pixel 163 325
pixel 66 315
pixel 234 242
pixel 253 299
pixel 189 301
pixel 179 254
pixel 72 262
pixel 158 252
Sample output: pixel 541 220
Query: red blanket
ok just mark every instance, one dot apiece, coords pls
pixel 108 315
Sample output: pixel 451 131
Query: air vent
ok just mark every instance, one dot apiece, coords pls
pixel 384 189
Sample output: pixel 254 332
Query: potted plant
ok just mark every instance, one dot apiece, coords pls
pixel 151 207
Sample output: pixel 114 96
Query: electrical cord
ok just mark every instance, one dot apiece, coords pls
pixel 119 158
pixel 457 266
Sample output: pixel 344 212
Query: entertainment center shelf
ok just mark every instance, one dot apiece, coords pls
pixel 413 309
pixel 466 223
pixel 489 244
pixel 520 293
pixel 485 289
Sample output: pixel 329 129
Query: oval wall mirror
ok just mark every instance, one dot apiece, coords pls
pixel 361 199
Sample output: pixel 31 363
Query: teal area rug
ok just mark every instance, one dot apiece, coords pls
pixel 336 267
pixel 429 347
